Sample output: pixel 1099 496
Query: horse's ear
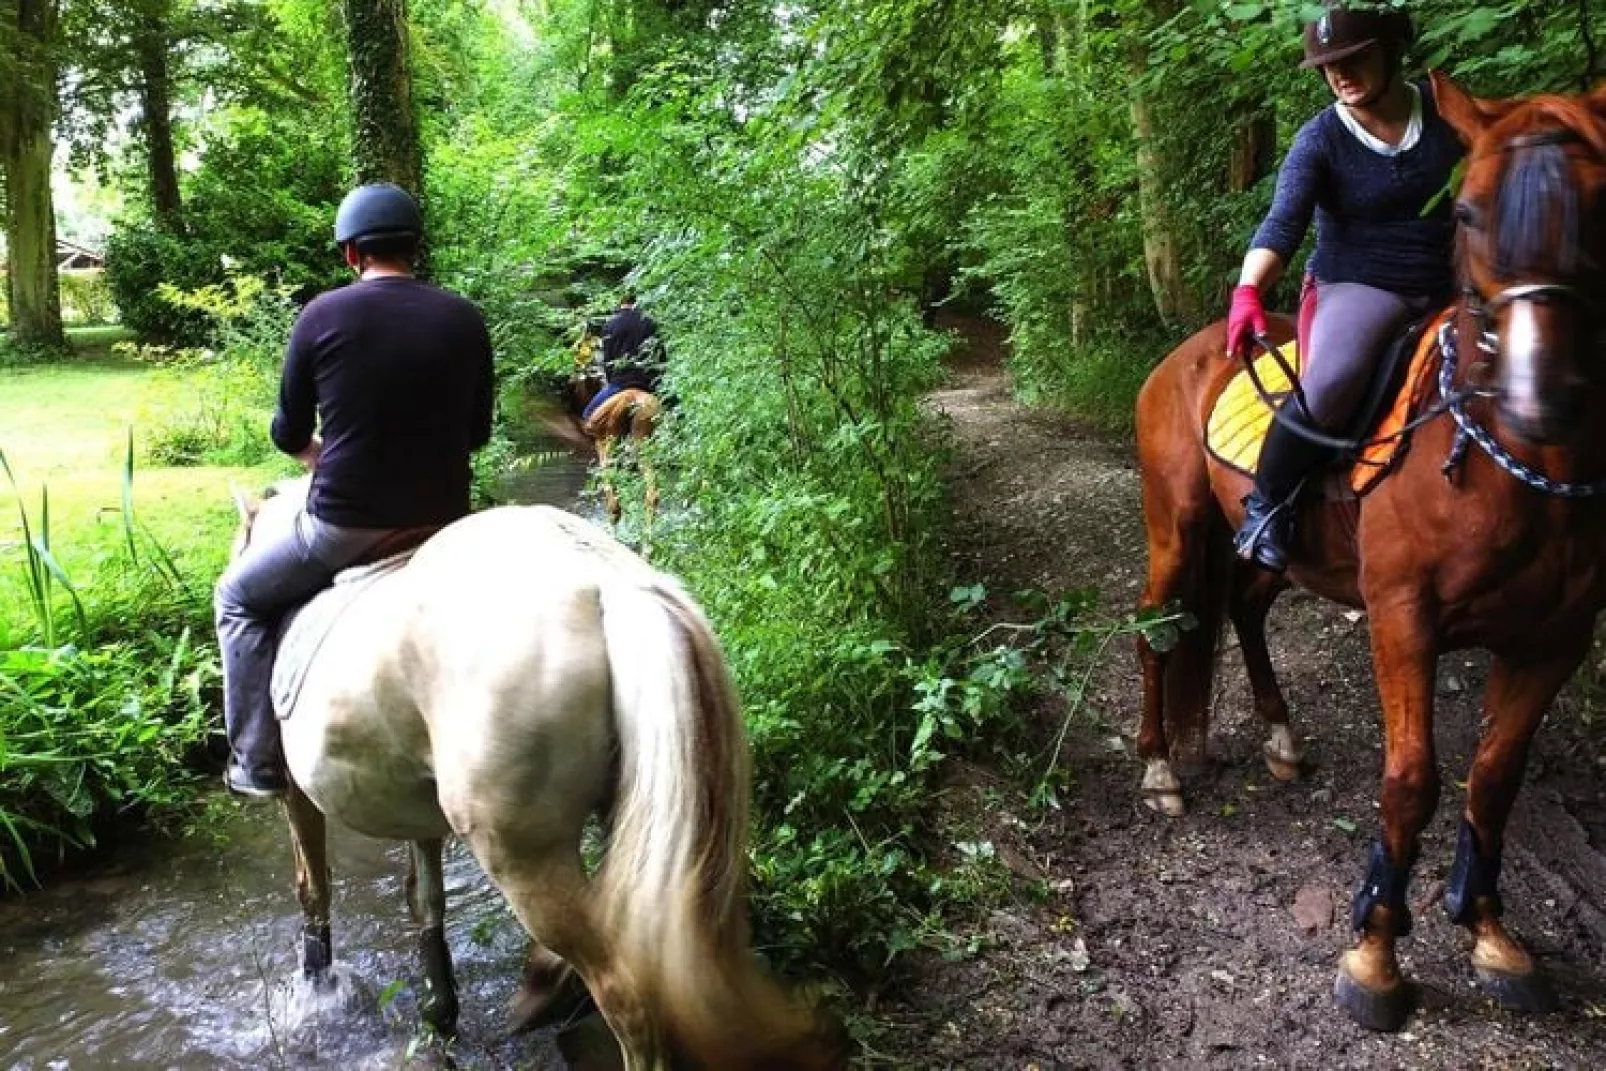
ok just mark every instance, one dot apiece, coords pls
pixel 245 504
pixel 1467 115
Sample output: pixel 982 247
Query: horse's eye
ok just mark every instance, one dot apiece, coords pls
pixel 1467 215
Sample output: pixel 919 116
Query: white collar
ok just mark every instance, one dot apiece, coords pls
pixel 1413 129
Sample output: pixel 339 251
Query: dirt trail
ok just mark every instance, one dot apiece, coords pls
pixel 1175 942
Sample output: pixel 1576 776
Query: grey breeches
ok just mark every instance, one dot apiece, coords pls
pixel 256 590
pixel 1352 326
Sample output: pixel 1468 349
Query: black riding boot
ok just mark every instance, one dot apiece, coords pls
pixel 1286 459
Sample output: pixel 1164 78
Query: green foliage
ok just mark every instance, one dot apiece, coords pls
pixel 139 260
pixel 102 709
pixel 232 382
pixel 86 298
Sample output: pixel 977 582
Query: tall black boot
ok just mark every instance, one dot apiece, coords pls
pixel 1286 459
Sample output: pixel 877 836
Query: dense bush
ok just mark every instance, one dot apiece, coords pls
pixel 233 380
pixel 86 298
pixel 139 260
pixel 261 204
pixel 106 683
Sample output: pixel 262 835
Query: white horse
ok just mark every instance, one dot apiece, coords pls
pixel 522 672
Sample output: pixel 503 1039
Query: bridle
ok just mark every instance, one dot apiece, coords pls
pixel 1483 312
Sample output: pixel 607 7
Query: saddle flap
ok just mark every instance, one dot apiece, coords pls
pixel 303 630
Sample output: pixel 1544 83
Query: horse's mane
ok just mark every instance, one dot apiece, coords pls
pixel 1536 204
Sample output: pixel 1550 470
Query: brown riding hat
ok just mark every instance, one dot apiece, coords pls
pixel 1342 32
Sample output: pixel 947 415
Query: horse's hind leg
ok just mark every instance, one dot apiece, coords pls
pixel 1515 702
pixel 606 445
pixel 550 991
pixel 548 892
pixel 1181 519
pixel 426 896
pixel 308 842
pixel 1253 594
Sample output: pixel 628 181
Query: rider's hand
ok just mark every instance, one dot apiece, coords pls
pixel 1245 320
pixel 309 456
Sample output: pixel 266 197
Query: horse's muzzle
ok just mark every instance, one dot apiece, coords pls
pixel 1541 398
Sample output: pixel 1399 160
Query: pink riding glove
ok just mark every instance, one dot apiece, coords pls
pixel 1245 319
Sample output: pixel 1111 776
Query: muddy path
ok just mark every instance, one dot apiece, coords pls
pixel 1176 943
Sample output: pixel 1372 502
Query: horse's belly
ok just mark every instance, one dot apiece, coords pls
pixel 378 802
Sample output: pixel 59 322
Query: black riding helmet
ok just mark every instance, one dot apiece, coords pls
pixel 1342 32
pixel 376 210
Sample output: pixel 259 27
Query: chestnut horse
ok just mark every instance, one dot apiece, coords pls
pixel 1500 550
pixel 631 414
pixel 522 672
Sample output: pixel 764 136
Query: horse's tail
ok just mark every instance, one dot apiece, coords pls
pixel 672 888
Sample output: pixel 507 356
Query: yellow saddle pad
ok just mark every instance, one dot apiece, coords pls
pixel 1240 419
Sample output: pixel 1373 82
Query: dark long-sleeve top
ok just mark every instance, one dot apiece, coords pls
pixel 1370 226
pixel 629 349
pixel 398 374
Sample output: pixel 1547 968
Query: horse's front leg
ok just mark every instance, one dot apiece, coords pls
pixel 307 841
pixel 1518 694
pixel 610 494
pixel 426 896
pixel 1369 986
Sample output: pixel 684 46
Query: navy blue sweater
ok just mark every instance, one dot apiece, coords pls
pixel 398 373
pixel 1369 223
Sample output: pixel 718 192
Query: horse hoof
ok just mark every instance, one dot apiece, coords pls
pixel 1167 803
pixel 1383 1012
pixel 1519 992
pixel 1281 769
pixel 568 1002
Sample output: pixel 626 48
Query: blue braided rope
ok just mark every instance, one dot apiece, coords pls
pixel 1467 428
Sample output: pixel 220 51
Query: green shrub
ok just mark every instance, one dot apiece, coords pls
pixel 233 382
pixel 138 262
pixel 104 691
pixel 86 298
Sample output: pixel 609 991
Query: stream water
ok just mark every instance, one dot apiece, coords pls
pixel 183 953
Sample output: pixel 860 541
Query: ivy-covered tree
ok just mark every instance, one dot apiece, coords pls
pixel 26 150
pixel 384 129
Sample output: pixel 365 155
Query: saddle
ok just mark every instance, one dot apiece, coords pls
pixel 613 417
pixel 1240 418
pixel 303 630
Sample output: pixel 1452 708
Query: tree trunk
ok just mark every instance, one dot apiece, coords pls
pixel 1161 246
pixel 1254 136
pixel 385 131
pixel 25 152
pixel 156 100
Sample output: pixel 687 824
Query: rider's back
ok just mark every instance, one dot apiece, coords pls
pixel 399 374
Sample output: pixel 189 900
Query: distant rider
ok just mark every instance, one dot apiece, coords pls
pixel 631 353
pixel 396 376
pixel 1367 166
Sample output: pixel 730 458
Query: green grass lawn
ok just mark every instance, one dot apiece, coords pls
pixel 64 427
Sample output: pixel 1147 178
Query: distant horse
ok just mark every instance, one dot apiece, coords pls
pixel 522 672
pixel 631 414
pixel 1502 549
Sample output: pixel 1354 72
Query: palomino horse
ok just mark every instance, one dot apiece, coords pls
pixel 1499 550
pixel 632 414
pixel 522 672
